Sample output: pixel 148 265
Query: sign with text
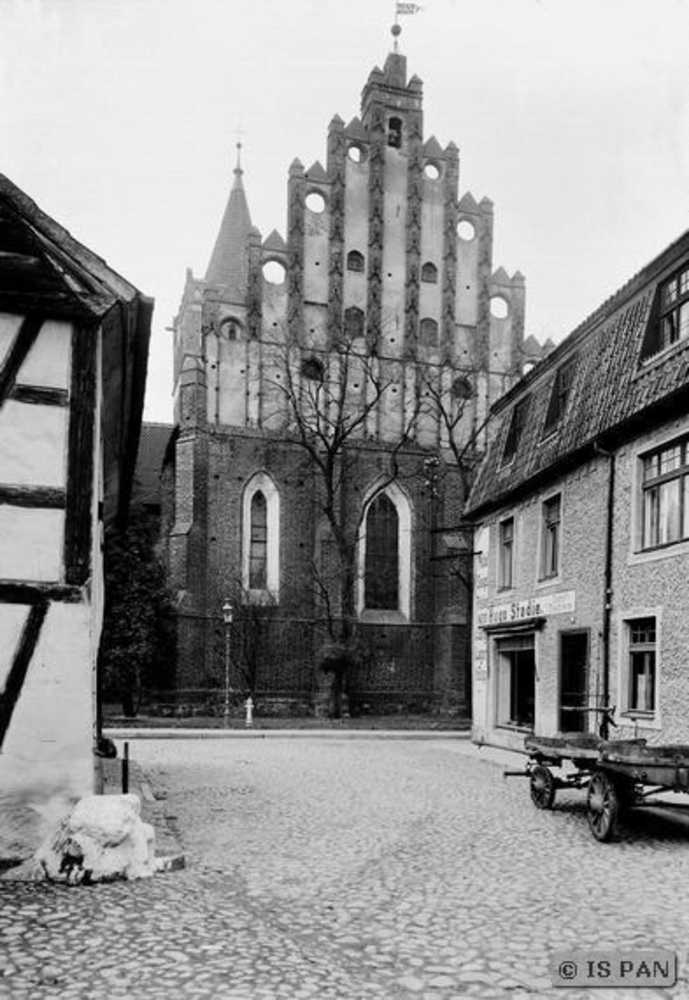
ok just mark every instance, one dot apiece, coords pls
pixel 561 603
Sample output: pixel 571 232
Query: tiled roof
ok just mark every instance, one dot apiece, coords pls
pixel 43 263
pixel 149 463
pixel 610 392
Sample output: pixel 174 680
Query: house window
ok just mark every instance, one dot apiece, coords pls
pixel 395 132
pixel 428 333
pixel 516 681
pixel 516 429
pixel 355 261
pixel 670 320
pixel 550 544
pixel 506 554
pixel 559 395
pixel 385 554
pixel 260 539
pixel 353 323
pixel 429 273
pixel 641 669
pixel 382 555
pixel 665 495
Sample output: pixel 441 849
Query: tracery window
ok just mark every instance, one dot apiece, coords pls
pixel 261 539
pixel 385 554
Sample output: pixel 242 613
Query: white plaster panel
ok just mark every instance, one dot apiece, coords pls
pixel 12 618
pixel 48 748
pixel 233 379
pixel 32 444
pixel 9 324
pixel 47 363
pixel 31 543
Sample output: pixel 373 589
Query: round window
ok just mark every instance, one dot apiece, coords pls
pixel 315 202
pixel 499 307
pixel 274 272
pixel 466 230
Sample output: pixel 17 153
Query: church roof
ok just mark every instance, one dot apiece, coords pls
pixel 227 265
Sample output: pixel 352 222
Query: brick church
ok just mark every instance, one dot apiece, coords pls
pixel 331 388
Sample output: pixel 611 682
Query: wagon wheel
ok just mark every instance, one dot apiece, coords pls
pixel 603 806
pixel 542 787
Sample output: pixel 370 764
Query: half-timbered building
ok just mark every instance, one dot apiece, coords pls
pixel 73 352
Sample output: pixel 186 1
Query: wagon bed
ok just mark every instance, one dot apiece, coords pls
pixel 618 774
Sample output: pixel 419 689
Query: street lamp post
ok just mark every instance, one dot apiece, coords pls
pixel 227 610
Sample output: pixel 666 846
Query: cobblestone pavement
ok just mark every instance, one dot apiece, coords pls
pixel 353 869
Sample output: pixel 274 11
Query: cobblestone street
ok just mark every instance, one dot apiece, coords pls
pixel 352 868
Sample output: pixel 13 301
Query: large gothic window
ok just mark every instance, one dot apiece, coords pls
pixel 385 555
pixel 381 572
pixel 258 542
pixel 261 539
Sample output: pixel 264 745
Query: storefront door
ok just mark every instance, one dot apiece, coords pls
pixel 574 676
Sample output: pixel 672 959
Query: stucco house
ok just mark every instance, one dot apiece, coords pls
pixel 581 513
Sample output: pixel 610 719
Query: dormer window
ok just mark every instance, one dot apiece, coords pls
pixel 670 320
pixel 516 430
pixel 395 133
pixel 355 261
pixel 559 395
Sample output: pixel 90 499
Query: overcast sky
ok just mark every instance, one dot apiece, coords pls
pixel 119 117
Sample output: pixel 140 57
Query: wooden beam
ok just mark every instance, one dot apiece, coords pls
pixel 82 415
pixel 40 395
pixel 36 593
pixel 20 665
pixel 23 342
pixel 52 497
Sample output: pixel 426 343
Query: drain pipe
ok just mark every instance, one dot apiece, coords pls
pixel 608 590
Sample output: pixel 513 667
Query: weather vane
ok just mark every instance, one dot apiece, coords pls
pixel 402 8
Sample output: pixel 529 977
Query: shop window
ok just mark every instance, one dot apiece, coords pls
pixel 260 539
pixel 355 261
pixel 429 273
pixel 516 681
pixel 550 538
pixel 559 395
pixel 428 333
pixel 670 317
pixel 641 679
pixel 506 554
pixel 665 495
pixel 516 429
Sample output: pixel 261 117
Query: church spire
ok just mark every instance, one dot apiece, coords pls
pixel 227 265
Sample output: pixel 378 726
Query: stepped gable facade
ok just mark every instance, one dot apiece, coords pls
pixel 378 317
pixel 581 508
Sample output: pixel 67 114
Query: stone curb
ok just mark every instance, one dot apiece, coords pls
pixel 282 734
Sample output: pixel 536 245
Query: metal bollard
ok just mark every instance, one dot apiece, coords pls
pixel 125 769
pixel 249 704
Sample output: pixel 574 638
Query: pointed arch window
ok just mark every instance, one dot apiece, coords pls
pixel 261 539
pixel 381 571
pixel 428 333
pixel 353 323
pixel 385 556
pixel 395 133
pixel 355 261
pixel 429 273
